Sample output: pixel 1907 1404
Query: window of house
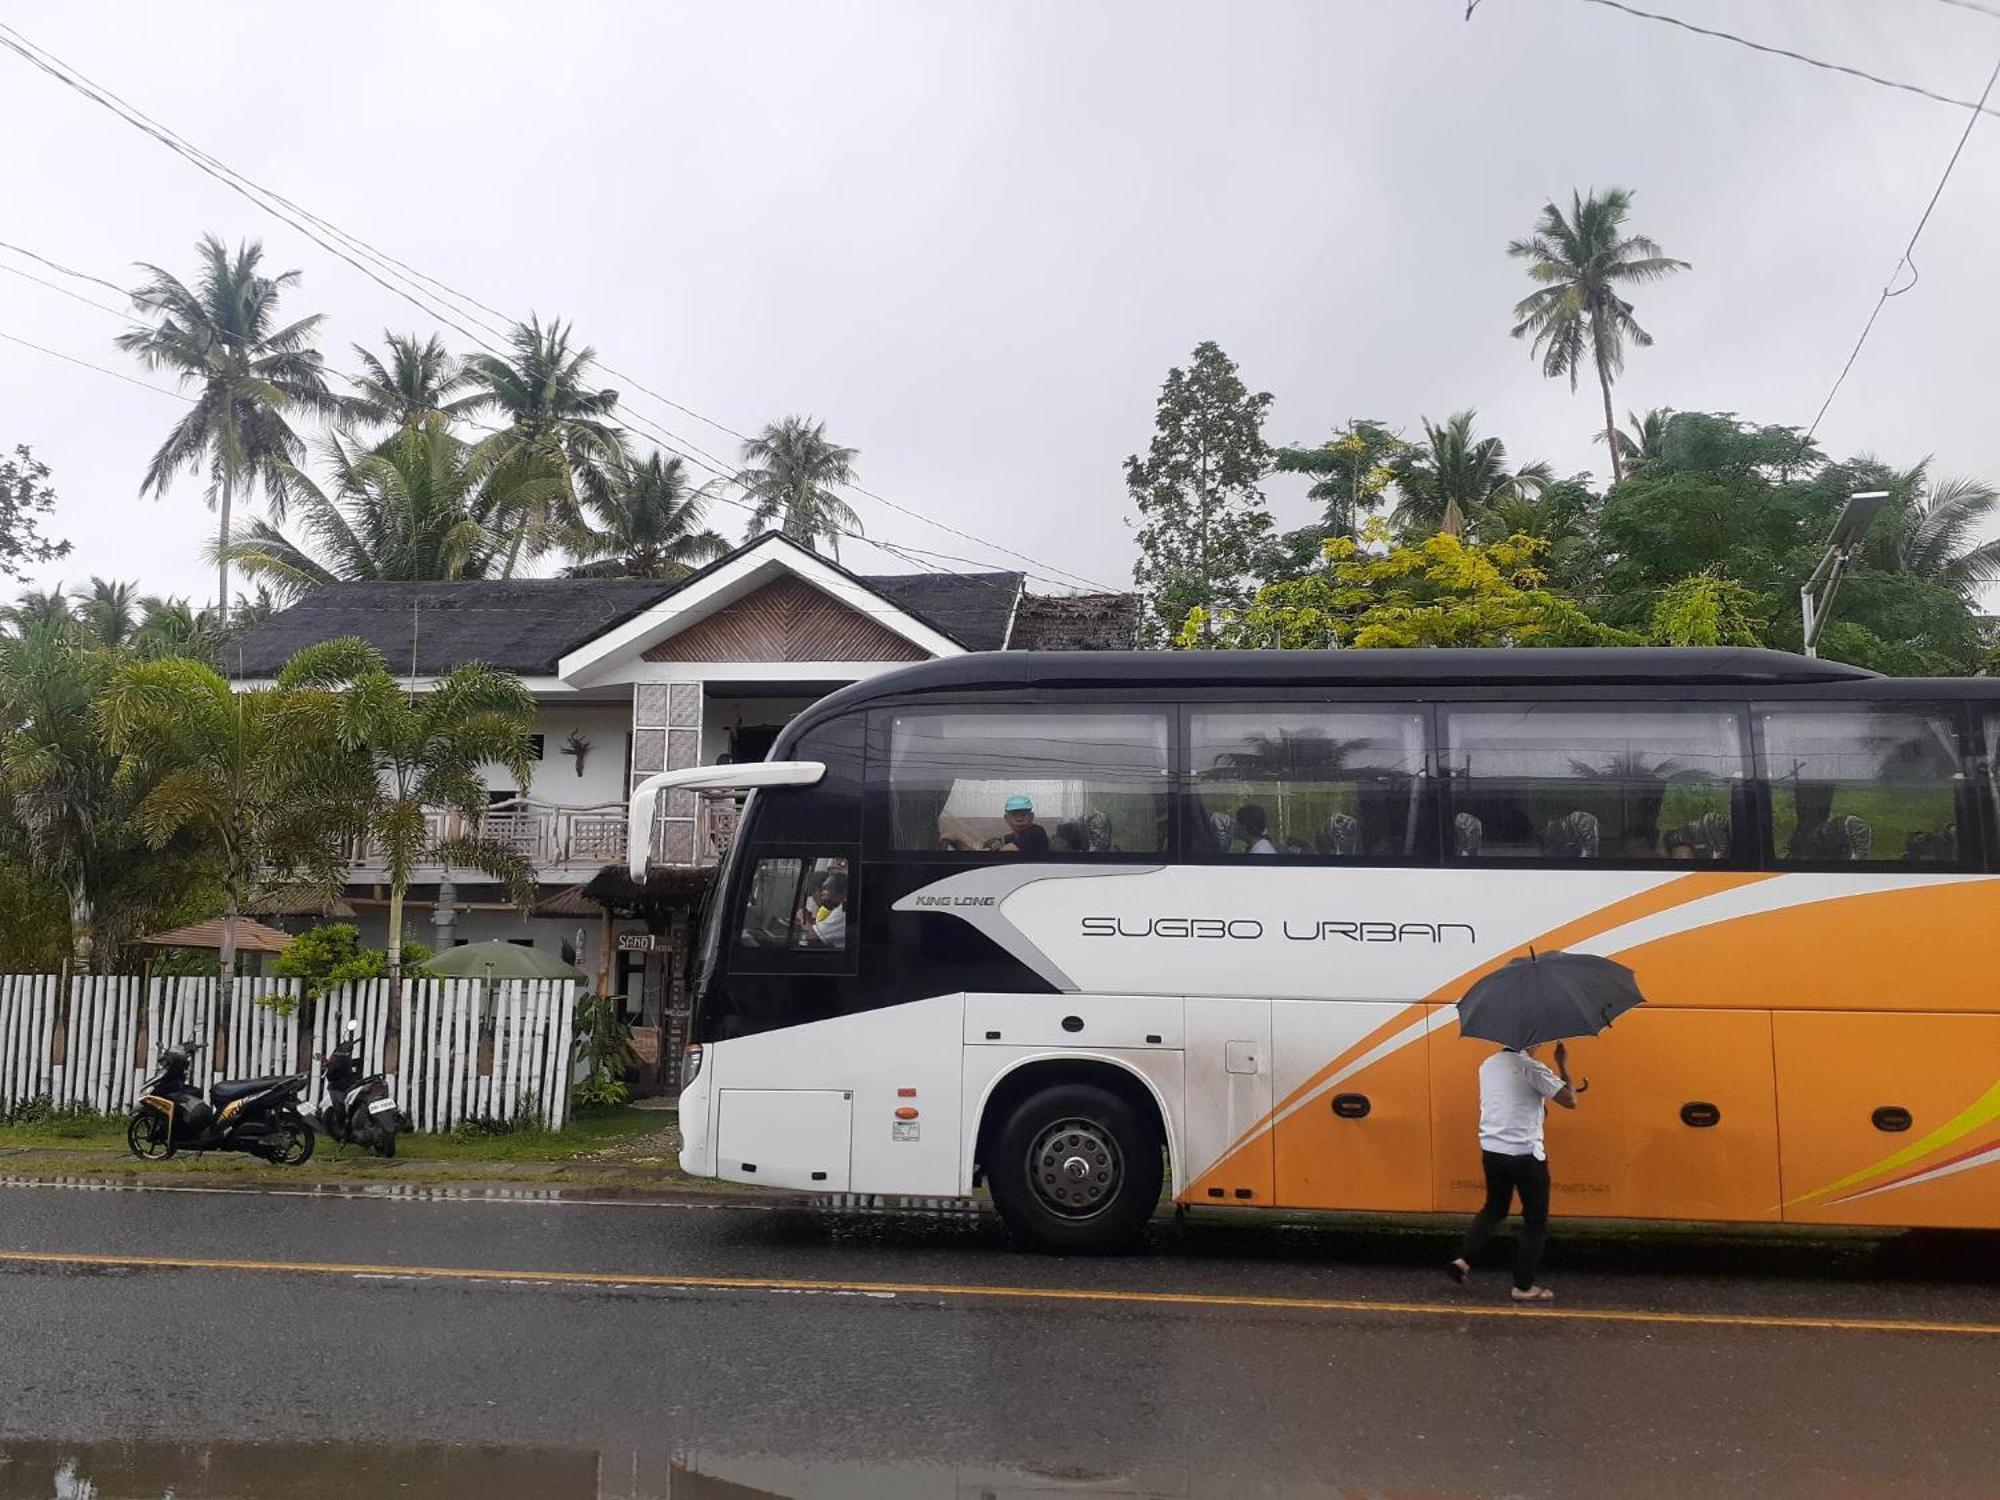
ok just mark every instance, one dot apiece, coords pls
pixel 1562 782
pixel 1029 782
pixel 537 746
pixel 1307 780
pixel 1856 782
pixel 797 903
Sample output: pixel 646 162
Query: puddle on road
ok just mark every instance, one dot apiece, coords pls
pixel 322 1471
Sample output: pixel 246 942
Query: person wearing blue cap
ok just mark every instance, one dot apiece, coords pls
pixel 1024 834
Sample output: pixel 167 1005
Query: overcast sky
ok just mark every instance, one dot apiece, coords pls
pixel 973 237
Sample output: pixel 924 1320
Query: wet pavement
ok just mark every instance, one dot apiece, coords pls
pixel 531 1344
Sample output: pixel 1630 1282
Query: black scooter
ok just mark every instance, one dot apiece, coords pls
pixel 357 1110
pixel 259 1116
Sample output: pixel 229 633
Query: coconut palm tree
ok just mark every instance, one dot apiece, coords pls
pixel 649 526
pixel 790 472
pixel 420 507
pixel 256 780
pixel 222 339
pixel 1934 531
pixel 1581 262
pixel 1452 478
pixel 1643 439
pixel 423 751
pixel 106 614
pixel 408 383
pixel 557 428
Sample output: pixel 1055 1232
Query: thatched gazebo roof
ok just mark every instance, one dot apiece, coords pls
pixel 251 937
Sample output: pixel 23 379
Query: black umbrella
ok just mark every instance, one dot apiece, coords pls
pixel 1546 997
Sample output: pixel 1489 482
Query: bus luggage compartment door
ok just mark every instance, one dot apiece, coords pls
pixel 793 1138
pixel 1228 1101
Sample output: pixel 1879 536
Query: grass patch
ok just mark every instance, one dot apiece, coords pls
pixel 71 1130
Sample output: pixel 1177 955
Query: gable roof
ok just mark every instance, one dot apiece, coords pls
pixel 523 625
pixel 974 609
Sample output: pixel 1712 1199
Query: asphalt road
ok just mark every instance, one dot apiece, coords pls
pixel 525 1346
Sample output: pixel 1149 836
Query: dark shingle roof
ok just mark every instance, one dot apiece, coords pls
pixel 972 608
pixel 525 625
pixel 1080 622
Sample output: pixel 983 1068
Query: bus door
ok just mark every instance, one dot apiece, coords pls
pixel 1227 1150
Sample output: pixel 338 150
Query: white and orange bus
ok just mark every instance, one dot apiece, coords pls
pixel 1216 945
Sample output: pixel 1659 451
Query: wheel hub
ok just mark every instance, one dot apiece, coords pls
pixel 1076 1168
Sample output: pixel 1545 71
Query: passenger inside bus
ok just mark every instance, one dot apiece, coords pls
pixel 1252 825
pixel 1024 835
pixel 822 921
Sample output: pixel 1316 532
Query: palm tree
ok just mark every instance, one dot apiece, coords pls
pixel 423 752
pixel 790 471
pixel 256 779
pixel 1580 262
pixel 408 384
pixel 1644 439
pixel 649 526
pixel 422 506
pixel 1933 531
pixel 1452 479
pixel 222 338
pixel 39 611
pixel 557 428
pixel 106 614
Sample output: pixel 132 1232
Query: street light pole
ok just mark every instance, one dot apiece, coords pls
pixel 1816 594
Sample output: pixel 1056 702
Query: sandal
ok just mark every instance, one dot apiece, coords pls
pixel 1533 1294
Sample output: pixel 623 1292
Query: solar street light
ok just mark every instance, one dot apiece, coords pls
pixel 1816 596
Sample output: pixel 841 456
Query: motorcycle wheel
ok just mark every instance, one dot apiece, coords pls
pixel 385 1141
pixel 150 1136
pixel 290 1144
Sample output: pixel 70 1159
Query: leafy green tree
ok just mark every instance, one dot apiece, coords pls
pixel 256 781
pixel 27 500
pixel 1202 517
pixel 422 752
pixel 1440 591
pixel 222 337
pixel 1581 263
pixel 72 798
pixel 419 507
pixel 1452 478
pixel 649 525
pixel 408 383
pixel 1351 470
pixel 559 442
pixel 791 473
pixel 1706 609
pixel 1642 440
pixel 327 957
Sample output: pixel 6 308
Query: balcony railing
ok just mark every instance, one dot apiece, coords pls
pixel 561 839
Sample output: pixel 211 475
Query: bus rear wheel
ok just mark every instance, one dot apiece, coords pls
pixel 1075 1168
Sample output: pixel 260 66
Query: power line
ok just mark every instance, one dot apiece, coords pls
pixel 1786 52
pixel 56 265
pixel 1889 288
pixel 55 67
pixel 1974 5
pixel 63 291
pixel 100 369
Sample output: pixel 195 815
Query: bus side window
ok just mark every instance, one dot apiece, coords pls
pixel 1860 782
pixel 1305 780
pixel 1028 782
pixel 798 904
pixel 1565 782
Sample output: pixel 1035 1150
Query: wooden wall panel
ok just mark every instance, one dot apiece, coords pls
pixel 787 620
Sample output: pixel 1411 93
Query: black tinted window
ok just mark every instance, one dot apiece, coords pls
pixel 1861 782
pixel 1564 782
pixel 1307 780
pixel 1029 782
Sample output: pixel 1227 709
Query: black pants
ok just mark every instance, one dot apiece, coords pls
pixel 1506 1176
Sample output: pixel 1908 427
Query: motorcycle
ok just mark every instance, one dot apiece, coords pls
pixel 357 1110
pixel 258 1116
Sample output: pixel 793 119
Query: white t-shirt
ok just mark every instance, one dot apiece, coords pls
pixel 1263 846
pixel 831 929
pixel 1513 1094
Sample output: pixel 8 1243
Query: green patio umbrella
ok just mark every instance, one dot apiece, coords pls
pixel 497 960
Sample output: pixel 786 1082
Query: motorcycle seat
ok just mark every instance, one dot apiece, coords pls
pixel 222 1091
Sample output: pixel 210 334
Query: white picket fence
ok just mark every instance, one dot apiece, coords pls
pixel 454 1049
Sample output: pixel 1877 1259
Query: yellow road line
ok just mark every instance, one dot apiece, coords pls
pixel 1004 1293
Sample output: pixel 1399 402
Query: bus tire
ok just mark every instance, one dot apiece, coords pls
pixel 1075 1169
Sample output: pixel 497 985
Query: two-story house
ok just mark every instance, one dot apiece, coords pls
pixel 634 676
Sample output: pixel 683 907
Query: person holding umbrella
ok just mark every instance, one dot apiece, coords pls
pixel 1532 1001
